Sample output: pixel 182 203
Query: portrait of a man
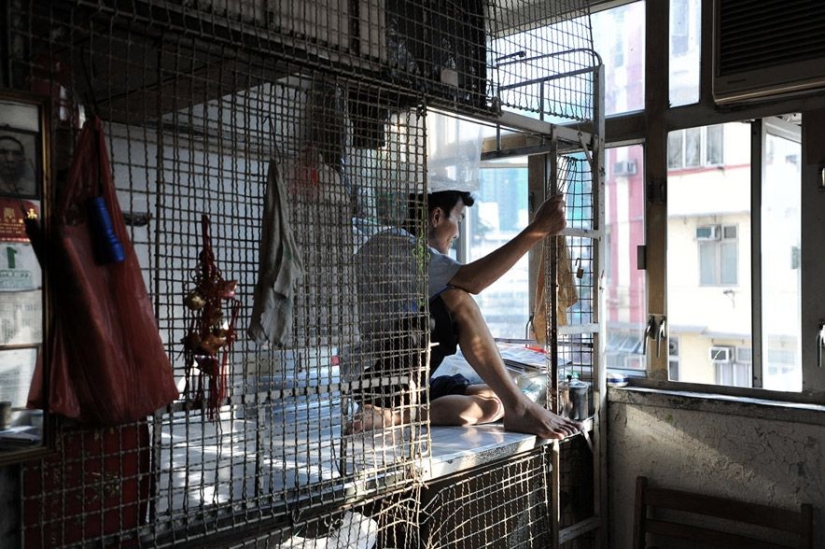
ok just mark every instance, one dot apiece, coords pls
pixel 18 164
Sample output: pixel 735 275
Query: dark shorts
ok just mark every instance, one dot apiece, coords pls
pixel 443 330
pixel 402 353
pixel 448 385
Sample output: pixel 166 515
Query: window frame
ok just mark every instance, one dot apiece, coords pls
pixel 651 127
pixel 464 242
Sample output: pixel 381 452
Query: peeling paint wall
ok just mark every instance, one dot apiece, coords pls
pixel 739 450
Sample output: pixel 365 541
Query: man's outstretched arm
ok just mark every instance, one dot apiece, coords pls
pixel 478 275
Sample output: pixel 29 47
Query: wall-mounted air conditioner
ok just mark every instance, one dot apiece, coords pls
pixel 625 168
pixel 765 50
pixel 709 232
pixel 721 354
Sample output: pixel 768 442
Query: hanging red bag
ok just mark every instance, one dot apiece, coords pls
pixel 107 361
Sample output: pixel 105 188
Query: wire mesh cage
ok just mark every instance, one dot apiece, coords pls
pixel 500 506
pixel 510 504
pixel 280 137
pixel 541 58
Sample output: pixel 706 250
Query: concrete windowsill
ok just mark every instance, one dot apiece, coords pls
pixel 795 412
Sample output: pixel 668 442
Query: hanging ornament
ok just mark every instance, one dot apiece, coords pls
pixel 208 343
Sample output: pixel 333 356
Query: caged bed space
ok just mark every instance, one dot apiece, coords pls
pixel 299 129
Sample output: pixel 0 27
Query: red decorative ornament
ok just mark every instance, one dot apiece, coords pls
pixel 208 343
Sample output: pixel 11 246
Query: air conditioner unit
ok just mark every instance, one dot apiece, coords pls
pixel 709 232
pixel 721 354
pixel 624 168
pixel 765 50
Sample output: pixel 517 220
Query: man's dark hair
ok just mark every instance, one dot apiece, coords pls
pixel 446 200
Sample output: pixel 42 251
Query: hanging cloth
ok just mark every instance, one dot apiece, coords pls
pixel 108 365
pixel 567 295
pixel 279 268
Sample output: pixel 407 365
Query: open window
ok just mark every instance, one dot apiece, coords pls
pixel 733 282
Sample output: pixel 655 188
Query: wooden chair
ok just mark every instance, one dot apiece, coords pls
pixel 795 527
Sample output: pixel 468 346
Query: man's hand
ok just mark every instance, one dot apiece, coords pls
pixel 550 219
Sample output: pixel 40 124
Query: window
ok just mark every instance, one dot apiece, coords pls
pixel 733 374
pixel 625 297
pixel 709 288
pixel 499 213
pixel 685 49
pixel 679 27
pixel 695 148
pixel 673 357
pixel 781 250
pixel 741 287
pixel 618 37
pixel 712 296
pixel 718 255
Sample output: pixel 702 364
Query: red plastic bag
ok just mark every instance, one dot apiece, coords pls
pixel 107 361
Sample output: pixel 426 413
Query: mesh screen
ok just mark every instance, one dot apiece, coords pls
pixel 502 506
pixel 233 125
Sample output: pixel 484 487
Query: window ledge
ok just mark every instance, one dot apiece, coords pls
pixel 750 407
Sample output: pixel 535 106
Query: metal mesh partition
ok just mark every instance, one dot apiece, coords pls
pixel 271 130
pixel 501 506
pixel 510 504
pixel 574 324
pixel 541 58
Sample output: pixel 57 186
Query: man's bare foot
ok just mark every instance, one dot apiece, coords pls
pixel 371 418
pixel 535 420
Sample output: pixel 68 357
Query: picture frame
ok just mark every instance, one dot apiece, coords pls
pixel 26 432
pixel 21 147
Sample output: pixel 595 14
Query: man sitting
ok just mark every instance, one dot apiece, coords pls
pixel 385 287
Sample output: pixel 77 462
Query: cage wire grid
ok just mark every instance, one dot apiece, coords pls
pixel 499 506
pixel 210 108
pixel 570 264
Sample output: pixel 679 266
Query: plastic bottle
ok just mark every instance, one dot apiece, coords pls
pixel 534 386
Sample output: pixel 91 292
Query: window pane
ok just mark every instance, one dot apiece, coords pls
pixel 685 39
pixel 618 37
pixel 728 262
pixel 708 279
pixel 624 221
pixel 707 264
pixel 675 147
pixel 693 147
pixel 714 145
pixel 781 284
pixel 499 213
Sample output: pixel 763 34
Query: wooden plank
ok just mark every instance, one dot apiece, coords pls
pixel 708 537
pixel 724 508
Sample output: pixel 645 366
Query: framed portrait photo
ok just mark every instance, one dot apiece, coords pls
pixel 23 151
pixel 25 432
